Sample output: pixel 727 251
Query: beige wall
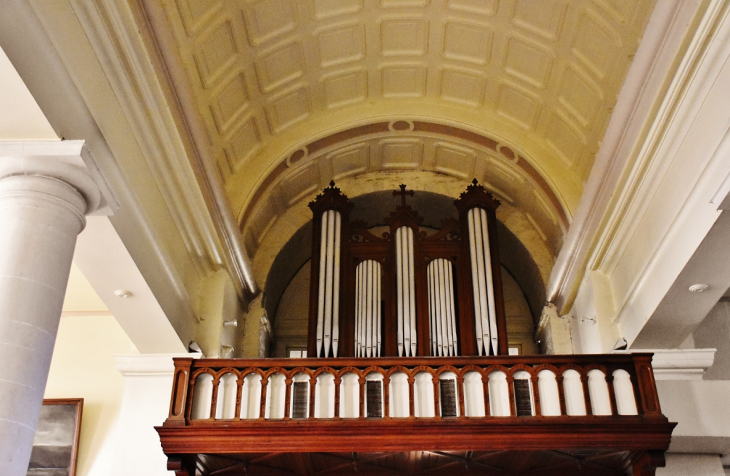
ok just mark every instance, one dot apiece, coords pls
pixel 517 315
pixel 292 315
pixel 83 366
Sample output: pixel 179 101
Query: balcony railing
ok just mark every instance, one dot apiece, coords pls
pixel 536 402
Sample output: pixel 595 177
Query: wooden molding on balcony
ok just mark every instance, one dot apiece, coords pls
pixel 583 443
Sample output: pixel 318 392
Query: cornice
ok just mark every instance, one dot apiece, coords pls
pixel 696 75
pixel 148 365
pixel 131 73
pixel 599 213
pixel 152 23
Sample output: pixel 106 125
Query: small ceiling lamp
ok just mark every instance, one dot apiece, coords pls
pixel 698 288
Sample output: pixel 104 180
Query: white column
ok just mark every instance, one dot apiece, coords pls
pixel 43 201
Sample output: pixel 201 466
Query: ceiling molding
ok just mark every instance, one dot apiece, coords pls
pixel 663 216
pixel 645 88
pixel 114 35
pixel 505 157
pixel 207 168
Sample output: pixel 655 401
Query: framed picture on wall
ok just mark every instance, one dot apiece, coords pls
pixel 56 443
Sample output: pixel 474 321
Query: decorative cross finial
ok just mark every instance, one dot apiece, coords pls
pixel 403 194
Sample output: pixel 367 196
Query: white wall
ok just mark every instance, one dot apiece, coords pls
pixel 682 464
pixel 145 404
pixel 83 366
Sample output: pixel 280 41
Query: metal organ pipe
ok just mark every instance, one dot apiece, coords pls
pixel 451 298
pixel 336 290
pixel 328 282
pixel 412 292
pixel 406 292
pixel 432 335
pixel 359 296
pixel 328 306
pixel 322 269
pixel 377 308
pixel 441 308
pixel 406 311
pixel 436 310
pixel 475 280
pixel 441 283
pixel 367 312
pixel 490 282
pixel 399 287
pixel 482 282
pixel 369 309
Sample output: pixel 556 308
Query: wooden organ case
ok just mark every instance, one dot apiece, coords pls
pixel 411 291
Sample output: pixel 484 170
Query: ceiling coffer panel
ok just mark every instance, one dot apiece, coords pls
pixel 542 74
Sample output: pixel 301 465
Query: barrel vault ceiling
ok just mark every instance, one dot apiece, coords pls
pixel 293 94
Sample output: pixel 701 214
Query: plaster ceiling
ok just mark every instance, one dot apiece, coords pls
pixel 21 118
pixel 293 94
pixel 80 298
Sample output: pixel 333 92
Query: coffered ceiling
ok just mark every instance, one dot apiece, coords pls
pixel 293 94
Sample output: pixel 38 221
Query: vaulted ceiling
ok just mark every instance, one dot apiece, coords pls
pixel 292 94
pixel 216 122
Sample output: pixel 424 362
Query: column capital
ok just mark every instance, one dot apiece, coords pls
pixel 60 160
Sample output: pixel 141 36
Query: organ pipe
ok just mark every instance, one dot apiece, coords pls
pixel 367 313
pixel 406 292
pixel 329 283
pixel 441 308
pixel 483 282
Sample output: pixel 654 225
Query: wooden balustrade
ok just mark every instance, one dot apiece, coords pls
pixel 560 387
pixel 574 404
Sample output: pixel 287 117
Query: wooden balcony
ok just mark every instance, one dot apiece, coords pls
pixel 576 414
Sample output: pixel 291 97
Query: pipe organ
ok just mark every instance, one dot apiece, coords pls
pixel 408 291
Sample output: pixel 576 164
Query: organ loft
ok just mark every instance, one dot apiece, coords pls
pixel 408 368
pixel 405 290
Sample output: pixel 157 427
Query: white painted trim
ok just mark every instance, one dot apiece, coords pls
pixel 55 157
pixel 148 364
pixel 696 76
pixel 90 313
pixel 678 364
pixel 34 44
